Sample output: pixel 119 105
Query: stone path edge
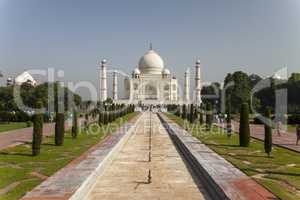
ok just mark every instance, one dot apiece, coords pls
pixel 236 187
pixel 88 185
pixel 91 167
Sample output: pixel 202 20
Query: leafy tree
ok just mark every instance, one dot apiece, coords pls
pixel 240 91
pixel 244 134
pixel 268 132
pixel 212 94
pixel 294 77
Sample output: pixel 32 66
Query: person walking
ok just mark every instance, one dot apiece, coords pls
pixel 298 133
pixel 279 128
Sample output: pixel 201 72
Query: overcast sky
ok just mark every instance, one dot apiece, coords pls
pixel 256 36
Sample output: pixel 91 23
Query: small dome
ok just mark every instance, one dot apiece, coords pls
pixel 166 71
pixel 136 71
pixel 198 62
pixel 151 63
pixel 104 61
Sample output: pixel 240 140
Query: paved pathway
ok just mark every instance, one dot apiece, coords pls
pixel 148 167
pixel 21 136
pixel 287 140
pixel 221 177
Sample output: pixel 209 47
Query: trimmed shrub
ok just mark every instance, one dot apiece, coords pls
pixel 268 133
pixel 100 119
pixel 191 115
pixel 74 125
pixel 209 116
pixel 37 135
pixel 59 129
pixel 201 119
pixel 184 112
pixel 244 134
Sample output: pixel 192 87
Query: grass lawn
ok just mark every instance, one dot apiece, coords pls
pixel 292 129
pixel 12 126
pixel 280 173
pixel 17 164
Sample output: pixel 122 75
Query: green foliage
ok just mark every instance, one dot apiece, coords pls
pixel 268 132
pixel 101 119
pixel 228 121
pixel 59 129
pixel 75 125
pixel 191 114
pixel 209 116
pixel 244 133
pixel 31 94
pixel 37 131
pixel 294 77
pixel 201 118
pixel 28 124
pixel 212 90
pixel 184 111
pixel 239 92
pixel 105 118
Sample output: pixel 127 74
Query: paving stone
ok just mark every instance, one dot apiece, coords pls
pixel 233 183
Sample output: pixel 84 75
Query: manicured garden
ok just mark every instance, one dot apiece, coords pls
pixel 280 172
pixel 20 172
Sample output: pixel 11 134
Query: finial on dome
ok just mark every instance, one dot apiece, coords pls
pixel 150 48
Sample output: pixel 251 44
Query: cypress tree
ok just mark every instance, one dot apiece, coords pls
pixel 195 114
pixel 105 118
pixel 37 131
pixel 110 117
pixel 99 118
pixel 268 132
pixel 244 135
pixel 59 129
pixel 184 114
pixel 74 125
pixel 209 116
pixel 228 121
pixel 201 120
pixel 191 116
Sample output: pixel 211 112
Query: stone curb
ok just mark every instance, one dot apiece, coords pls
pixel 224 181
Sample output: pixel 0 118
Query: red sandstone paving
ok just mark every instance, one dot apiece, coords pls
pixel 24 135
pixel 286 140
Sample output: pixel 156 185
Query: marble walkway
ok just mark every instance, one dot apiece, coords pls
pixel 148 167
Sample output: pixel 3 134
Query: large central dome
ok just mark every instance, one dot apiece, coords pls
pixel 151 63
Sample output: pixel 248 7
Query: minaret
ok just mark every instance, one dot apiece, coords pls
pixel 103 81
pixel 198 83
pixel 186 87
pixel 115 86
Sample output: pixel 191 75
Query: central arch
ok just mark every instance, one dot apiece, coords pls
pixel 151 91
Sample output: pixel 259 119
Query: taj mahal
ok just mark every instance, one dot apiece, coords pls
pixel 152 83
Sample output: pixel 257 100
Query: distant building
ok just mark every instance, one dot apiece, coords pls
pixel 9 81
pixel 151 83
pixel 25 77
